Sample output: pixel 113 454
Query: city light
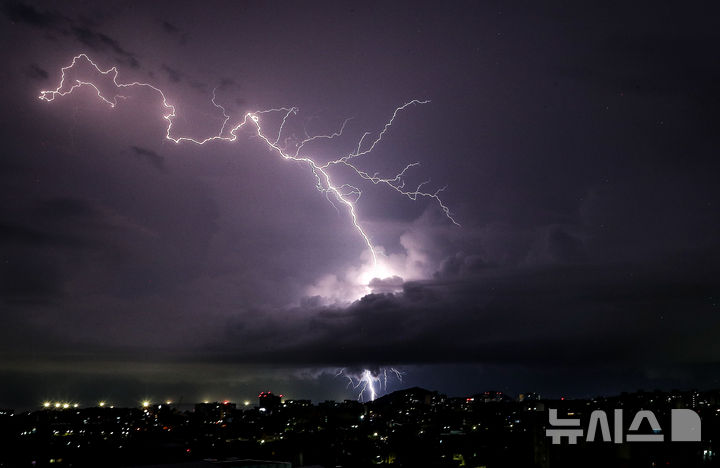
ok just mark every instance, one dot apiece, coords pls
pixel 487 418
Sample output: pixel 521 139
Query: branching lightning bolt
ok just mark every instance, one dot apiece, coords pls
pixel 345 195
pixel 369 382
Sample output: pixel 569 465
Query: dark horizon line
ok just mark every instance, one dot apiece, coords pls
pixel 52 404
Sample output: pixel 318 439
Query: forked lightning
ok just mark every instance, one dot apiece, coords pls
pixel 345 194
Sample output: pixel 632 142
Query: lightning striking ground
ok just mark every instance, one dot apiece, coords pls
pixel 345 195
pixel 369 382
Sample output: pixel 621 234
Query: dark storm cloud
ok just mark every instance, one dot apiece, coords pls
pixel 150 156
pixel 174 31
pixel 585 315
pixel 81 30
pixel 228 83
pixel 170 28
pixel 101 42
pixel 173 74
pixel 461 265
pixel 21 13
pixel 199 85
pixel 176 76
pixel 35 72
pixel 558 245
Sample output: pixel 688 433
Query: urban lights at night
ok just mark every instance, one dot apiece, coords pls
pixel 60 405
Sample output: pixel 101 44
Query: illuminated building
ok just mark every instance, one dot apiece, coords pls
pixel 269 401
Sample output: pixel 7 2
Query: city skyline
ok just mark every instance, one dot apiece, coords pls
pixel 488 429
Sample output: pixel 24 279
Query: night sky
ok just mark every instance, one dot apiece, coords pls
pixel 578 142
